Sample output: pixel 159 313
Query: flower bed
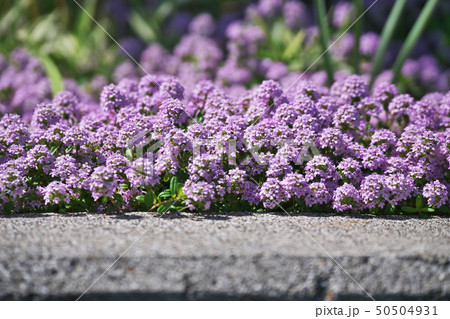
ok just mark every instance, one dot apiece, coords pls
pixel 145 147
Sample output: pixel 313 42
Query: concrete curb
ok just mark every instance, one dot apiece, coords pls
pixel 224 257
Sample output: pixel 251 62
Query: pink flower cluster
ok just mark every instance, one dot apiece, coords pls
pixel 310 148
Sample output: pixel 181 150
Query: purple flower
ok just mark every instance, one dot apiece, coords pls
pixel 352 89
pixel 373 192
pixel 326 106
pixel 13 131
pixel 199 96
pixel 296 14
pixel 205 167
pixel 272 193
pixel 273 70
pixel 118 163
pixel 142 173
pixel 317 193
pixel 436 193
pixel 400 105
pixel 370 106
pixel 350 170
pixel 343 13
pixel 346 116
pixel 200 194
pixel 384 92
pixel 199 51
pixel 125 70
pixel 279 166
pixel 346 197
pixel 333 139
pixel 12 184
pixel 237 180
pixel 103 182
pixel 384 139
pixel 369 43
pixel 56 193
pixel 64 167
pixel 267 97
pixel 65 104
pixel 268 8
pixel 112 99
pixel 321 169
pixel 399 188
pixel 174 111
pixel 294 185
pixel 374 158
pixel 154 58
pixel 202 24
pixel 39 157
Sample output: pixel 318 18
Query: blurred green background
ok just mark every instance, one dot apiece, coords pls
pixel 60 32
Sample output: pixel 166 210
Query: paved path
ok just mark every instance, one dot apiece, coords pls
pixel 241 256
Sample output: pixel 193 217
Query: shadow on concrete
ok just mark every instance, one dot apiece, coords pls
pixel 198 216
pixel 162 296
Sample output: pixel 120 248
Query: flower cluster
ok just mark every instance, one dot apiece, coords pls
pixel 147 145
pixel 234 129
pixel 252 51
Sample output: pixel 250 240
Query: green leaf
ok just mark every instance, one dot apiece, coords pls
pixel 141 27
pixel 277 33
pixel 53 73
pixel 359 5
pixel 9 206
pixel 124 186
pixel 148 199
pixel 164 10
pixel 391 209
pixel 83 21
pixel 444 209
pixel 54 149
pixel 408 209
pixel 419 201
pixel 413 37
pixel 141 198
pixel 164 207
pixel 174 185
pixel 324 37
pixel 294 46
pixel 69 149
pixel 119 199
pixel 165 194
pixel 13 15
pixel 427 210
pixel 129 154
pixel 386 36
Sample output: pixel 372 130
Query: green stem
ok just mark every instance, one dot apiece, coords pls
pixel 162 203
pixel 386 36
pixel 358 30
pixel 324 37
pixel 413 37
pixel 114 202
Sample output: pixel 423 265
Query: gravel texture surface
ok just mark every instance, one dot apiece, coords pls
pixel 238 256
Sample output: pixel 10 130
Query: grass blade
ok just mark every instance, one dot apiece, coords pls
pixel 358 30
pixel 143 29
pixel 413 37
pixel 386 36
pixel 83 21
pixel 324 37
pixel 53 73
